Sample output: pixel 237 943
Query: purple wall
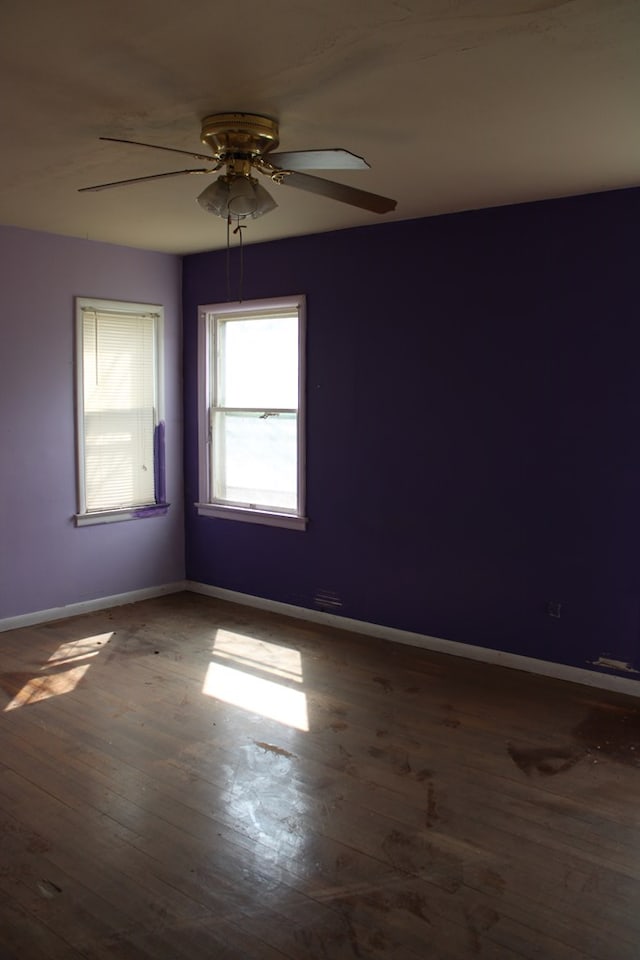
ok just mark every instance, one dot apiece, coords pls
pixel 473 427
pixel 45 561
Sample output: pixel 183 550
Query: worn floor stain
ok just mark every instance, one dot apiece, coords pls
pixel 546 761
pixel 272 748
pixel 424 774
pixel 613 732
pixel 38 844
pixel 450 722
pixel 607 732
pixel 494 880
pixel 432 806
pixel 479 921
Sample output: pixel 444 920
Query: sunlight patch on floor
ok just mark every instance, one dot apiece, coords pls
pixel 52 681
pixel 241 674
pixel 257 654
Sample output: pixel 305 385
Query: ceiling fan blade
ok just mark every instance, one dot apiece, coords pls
pixel 340 191
pixel 154 176
pixel 154 146
pixel 335 159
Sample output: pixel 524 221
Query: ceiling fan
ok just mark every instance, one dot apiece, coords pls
pixel 243 143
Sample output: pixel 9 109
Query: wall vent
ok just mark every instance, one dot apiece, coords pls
pixel 327 600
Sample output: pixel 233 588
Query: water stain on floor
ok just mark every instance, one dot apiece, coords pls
pixel 131 645
pixel 326 941
pixel 608 732
pixel 479 921
pixel 410 900
pixel 450 722
pixel 546 761
pixel 613 732
pixel 402 766
pixel 432 806
pixel 38 844
pixel 493 880
pixel 424 774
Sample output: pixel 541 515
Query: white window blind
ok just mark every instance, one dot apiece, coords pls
pixel 119 408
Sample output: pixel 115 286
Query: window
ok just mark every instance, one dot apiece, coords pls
pixel 251 384
pixel 120 430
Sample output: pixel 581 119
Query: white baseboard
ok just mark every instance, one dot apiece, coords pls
pixel 544 668
pixel 89 606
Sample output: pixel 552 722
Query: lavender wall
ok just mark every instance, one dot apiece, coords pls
pixel 45 561
pixel 473 427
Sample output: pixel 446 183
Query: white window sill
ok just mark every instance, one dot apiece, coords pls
pixel 115 516
pixel 246 515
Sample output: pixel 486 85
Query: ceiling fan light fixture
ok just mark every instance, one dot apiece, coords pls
pixel 242 200
pixel 264 201
pixel 240 197
pixel 215 198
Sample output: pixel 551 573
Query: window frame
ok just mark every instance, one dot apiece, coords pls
pixel 209 316
pixel 159 506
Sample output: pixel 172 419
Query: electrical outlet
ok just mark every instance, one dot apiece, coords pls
pixel 554 609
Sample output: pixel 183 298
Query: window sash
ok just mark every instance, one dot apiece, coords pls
pixel 245 346
pixel 256 455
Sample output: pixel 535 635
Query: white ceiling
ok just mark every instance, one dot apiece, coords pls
pixel 456 104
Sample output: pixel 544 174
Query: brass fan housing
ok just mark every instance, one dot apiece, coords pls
pixel 241 135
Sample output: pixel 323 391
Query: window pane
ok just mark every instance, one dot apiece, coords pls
pixel 259 362
pixel 255 459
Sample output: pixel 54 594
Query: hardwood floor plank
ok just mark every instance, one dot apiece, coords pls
pixel 22 936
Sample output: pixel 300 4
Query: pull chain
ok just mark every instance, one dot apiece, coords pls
pixel 228 261
pixel 238 230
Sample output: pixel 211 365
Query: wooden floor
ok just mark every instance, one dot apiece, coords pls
pixel 434 807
